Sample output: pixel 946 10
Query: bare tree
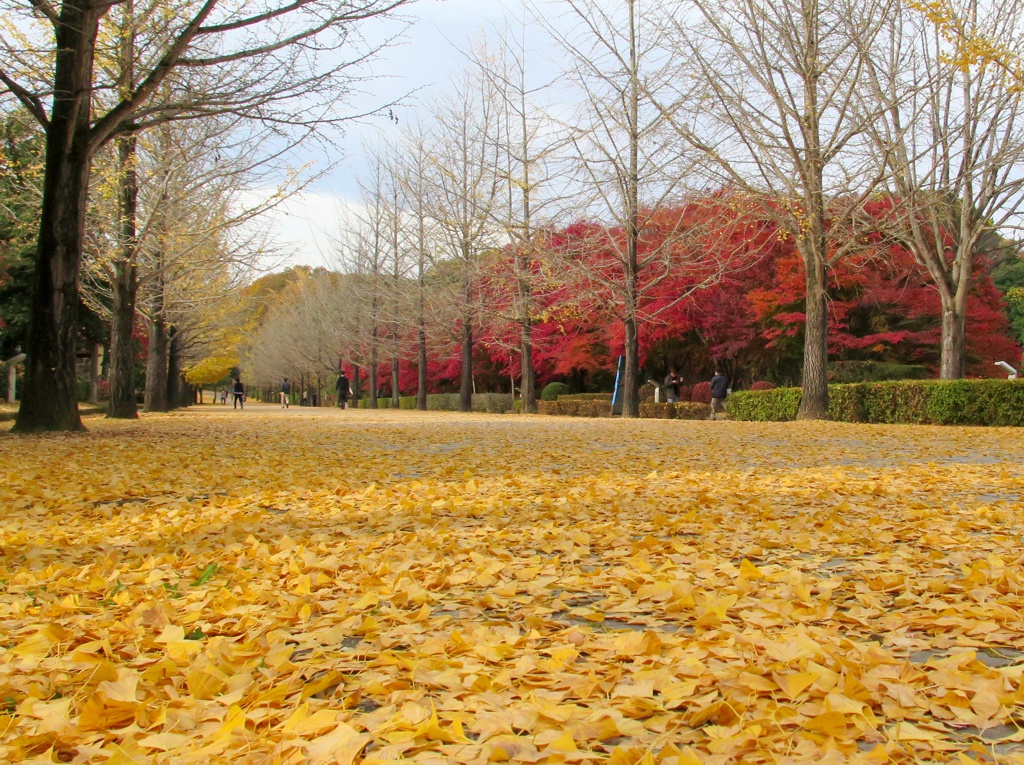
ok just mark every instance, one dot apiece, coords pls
pixel 301 334
pixel 771 101
pixel 462 191
pixel 952 132
pixel 527 143
pixel 283 63
pixel 413 173
pixel 630 164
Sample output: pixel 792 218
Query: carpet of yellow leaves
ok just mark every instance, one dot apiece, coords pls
pixel 330 587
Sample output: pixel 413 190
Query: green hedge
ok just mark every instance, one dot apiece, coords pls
pixel 382 403
pixel 778 404
pixel 407 402
pixel 586 397
pixel 685 410
pixel 927 402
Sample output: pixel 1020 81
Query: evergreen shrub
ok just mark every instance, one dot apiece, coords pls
pixel 553 390
pixel 779 404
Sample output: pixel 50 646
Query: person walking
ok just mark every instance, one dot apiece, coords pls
pixel 286 388
pixel 344 391
pixel 671 387
pixel 719 391
pixel 238 392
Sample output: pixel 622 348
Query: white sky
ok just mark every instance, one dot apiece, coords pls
pixel 423 62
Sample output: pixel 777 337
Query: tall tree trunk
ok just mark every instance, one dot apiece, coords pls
pixel 94 374
pixel 372 381
pixel 528 380
pixel 813 241
pixel 158 398
pixel 421 373
pixel 177 389
pixel 123 404
pixel 396 391
pixel 49 401
pixel 954 336
pixel 631 383
pixel 814 400
pixel 466 378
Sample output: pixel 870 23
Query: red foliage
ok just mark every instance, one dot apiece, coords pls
pixel 701 393
pixel 762 385
pixel 882 305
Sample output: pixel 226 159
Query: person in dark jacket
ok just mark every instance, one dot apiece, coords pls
pixel 344 391
pixel 286 388
pixel 238 392
pixel 671 387
pixel 719 391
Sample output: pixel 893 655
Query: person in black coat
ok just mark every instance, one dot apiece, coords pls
pixel 344 391
pixel 238 392
pixel 719 391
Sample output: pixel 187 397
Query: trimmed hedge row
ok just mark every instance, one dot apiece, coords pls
pixel 495 403
pixel 924 402
pixel 575 408
pixel 586 397
pixel 684 410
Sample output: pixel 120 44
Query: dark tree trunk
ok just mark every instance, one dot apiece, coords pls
pixel 528 382
pixel 49 401
pixel 466 378
pixel 421 373
pixel 94 374
pixel 123 404
pixel 396 390
pixel 158 397
pixel 631 381
pixel 372 381
pixel 356 384
pixel 177 388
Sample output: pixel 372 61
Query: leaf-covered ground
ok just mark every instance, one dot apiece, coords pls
pixel 324 586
